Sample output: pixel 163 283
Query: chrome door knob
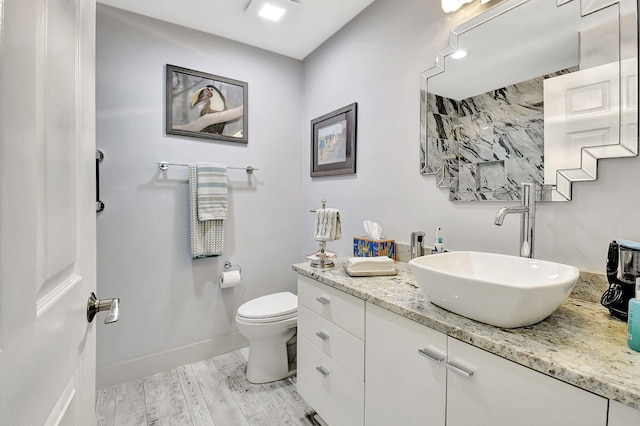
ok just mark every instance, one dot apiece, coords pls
pixel 94 306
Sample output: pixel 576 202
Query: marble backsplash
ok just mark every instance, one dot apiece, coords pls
pixel 484 147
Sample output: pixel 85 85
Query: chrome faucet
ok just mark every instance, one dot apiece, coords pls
pixel 527 210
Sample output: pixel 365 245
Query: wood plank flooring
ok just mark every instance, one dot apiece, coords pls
pixel 211 392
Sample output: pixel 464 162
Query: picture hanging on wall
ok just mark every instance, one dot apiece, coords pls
pixel 206 106
pixel 333 142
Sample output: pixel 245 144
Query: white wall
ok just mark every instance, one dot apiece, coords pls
pixel 171 306
pixel 376 61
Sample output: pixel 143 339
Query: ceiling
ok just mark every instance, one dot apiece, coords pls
pixel 307 25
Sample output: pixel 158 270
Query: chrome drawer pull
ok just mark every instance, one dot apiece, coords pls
pixel 323 300
pixel 322 370
pixel 459 370
pixel 432 355
pixel 323 335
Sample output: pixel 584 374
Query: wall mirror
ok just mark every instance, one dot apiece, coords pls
pixel 546 89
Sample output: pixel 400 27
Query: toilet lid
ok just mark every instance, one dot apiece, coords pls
pixel 270 306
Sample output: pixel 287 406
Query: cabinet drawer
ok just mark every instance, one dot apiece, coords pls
pixel 335 393
pixel 339 344
pixel 335 305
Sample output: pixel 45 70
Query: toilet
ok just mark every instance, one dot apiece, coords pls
pixel 270 324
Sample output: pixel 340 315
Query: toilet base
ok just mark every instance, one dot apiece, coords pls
pixel 269 362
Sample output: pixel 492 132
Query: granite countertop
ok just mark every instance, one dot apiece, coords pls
pixel 580 343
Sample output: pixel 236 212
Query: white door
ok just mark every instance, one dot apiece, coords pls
pixel 47 211
pixel 581 110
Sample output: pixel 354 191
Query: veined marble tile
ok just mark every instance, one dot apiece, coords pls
pixel 504 124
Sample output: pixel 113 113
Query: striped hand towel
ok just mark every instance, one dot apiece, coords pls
pixel 207 237
pixel 328 227
pixel 212 191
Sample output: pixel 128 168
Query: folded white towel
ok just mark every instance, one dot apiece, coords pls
pixel 212 191
pixel 328 227
pixel 377 263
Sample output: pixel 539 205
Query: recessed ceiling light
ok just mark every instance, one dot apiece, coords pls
pixel 458 54
pixel 271 12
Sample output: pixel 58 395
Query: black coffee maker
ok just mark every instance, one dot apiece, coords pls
pixel 623 255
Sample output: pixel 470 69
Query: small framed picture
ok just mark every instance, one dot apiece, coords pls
pixel 207 106
pixel 333 142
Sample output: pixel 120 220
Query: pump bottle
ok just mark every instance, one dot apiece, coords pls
pixel 633 334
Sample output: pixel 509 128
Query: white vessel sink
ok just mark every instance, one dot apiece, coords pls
pixel 505 291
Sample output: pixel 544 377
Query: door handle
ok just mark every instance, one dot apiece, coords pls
pixel 322 370
pixel 324 300
pixel 432 355
pixel 323 335
pixel 99 158
pixel 461 371
pixel 94 306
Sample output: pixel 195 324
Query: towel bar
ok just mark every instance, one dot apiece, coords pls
pixel 164 165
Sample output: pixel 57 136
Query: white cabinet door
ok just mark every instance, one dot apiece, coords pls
pixel 47 212
pixel 623 415
pixel 501 392
pixel 402 385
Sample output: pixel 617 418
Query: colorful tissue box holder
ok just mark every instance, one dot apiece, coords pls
pixel 368 247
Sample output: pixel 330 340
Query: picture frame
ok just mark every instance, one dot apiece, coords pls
pixel 333 142
pixel 204 105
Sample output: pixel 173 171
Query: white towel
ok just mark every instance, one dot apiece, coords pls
pixel 370 264
pixel 207 237
pixel 328 227
pixel 212 191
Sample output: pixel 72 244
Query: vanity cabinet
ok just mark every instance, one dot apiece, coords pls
pixel 331 356
pixel 622 415
pixel 418 376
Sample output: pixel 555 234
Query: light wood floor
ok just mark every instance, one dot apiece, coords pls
pixel 212 392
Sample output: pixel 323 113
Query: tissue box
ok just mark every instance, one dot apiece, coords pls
pixel 368 247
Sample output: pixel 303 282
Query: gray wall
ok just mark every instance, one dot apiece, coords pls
pixel 376 61
pixel 172 308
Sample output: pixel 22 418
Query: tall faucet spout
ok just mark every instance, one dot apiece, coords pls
pixel 527 210
pixel 508 210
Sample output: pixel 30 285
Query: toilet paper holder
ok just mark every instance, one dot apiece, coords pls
pixel 229 267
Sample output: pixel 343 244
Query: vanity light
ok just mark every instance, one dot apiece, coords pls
pixel 271 12
pixel 458 54
pixel 453 5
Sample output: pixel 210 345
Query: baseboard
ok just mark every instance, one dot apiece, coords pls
pixel 152 364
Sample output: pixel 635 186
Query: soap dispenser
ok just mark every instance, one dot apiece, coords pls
pixel 417 248
pixel 633 334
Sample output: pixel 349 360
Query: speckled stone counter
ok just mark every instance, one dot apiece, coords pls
pixel 580 343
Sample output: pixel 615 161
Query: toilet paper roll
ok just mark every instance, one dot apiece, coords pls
pixel 229 279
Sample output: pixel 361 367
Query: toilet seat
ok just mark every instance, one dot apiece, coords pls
pixel 270 308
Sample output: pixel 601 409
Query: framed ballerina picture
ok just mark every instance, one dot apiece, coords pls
pixel 206 106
